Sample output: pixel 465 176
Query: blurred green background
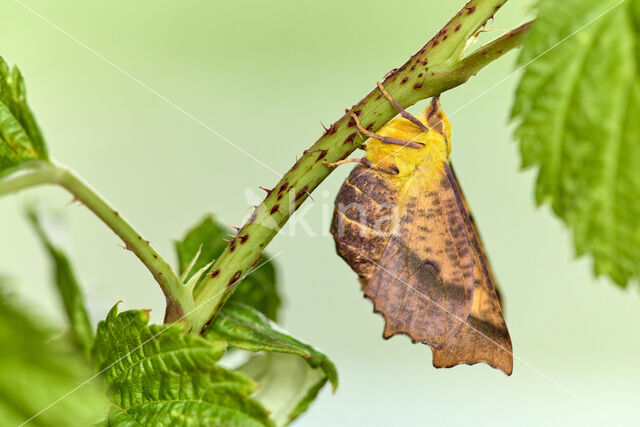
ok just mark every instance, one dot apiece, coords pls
pixel 264 74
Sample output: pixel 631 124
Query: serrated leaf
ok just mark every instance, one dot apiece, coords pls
pixel 257 289
pixel 578 105
pixel 290 375
pixel 68 288
pixel 37 369
pixel 159 375
pixel 20 138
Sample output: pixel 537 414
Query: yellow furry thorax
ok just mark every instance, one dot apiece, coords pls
pixel 429 159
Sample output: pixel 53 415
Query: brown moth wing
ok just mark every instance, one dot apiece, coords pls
pixel 417 267
pixel 363 216
pixel 485 337
pixel 478 239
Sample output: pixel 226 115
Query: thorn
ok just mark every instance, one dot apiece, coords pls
pixel 267 190
pixel 326 129
pixel 235 228
pixel 390 73
pixel 309 194
pixel 73 200
pixel 228 241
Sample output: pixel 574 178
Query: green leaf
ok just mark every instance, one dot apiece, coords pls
pixel 38 370
pixel 289 381
pixel 20 138
pixel 206 240
pixel 577 105
pixel 158 375
pixel 68 288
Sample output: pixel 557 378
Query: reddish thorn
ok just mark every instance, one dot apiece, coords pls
pixel 309 194
pixel 228 241
pixel 235 228
pixel 390 73
pixel 267 190
pixel 256 261
pixel 326 129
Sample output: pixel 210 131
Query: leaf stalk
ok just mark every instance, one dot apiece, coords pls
pixel 179 297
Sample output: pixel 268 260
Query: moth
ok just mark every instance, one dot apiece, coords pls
pixel 403 225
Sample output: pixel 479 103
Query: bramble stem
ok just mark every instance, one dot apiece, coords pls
pixel 179 300
pixel 435 68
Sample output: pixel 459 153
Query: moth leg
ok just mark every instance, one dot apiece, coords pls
pixel 401 110
pixel 393 170
pixel 385 139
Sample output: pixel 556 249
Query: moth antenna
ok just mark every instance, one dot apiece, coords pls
pixel 386 139
pixel 401 110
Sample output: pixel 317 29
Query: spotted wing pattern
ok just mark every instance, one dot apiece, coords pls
pixel 485 337
pixel 409 245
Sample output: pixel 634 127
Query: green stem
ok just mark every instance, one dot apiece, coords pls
pixel 179 299
pixel 488 53
pixel 434 69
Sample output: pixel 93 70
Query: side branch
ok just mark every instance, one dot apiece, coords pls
pixel 480 58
